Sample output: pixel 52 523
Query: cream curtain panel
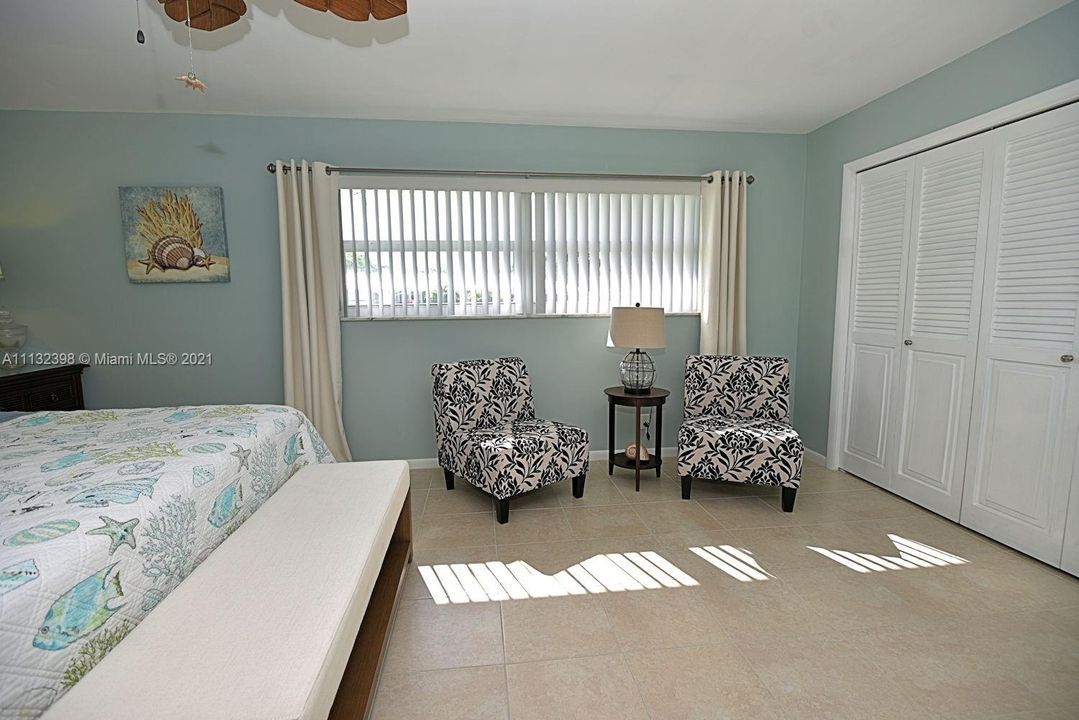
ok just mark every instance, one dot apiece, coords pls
pixel 311 296
pixel 723 264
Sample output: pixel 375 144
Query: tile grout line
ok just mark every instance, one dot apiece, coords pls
pixel 860 522
pixel 636 685
pixel 776 699
pixel 426 499
pixel 735 529
pixel 505 662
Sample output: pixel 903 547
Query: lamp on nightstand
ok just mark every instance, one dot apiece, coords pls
pixel 637 327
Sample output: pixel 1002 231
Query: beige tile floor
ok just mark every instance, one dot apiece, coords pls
pixel 997 637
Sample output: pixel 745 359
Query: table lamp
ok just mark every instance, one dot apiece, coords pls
pixel 637 327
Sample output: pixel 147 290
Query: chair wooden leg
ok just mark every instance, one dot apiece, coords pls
pixel 687 486
pixel 503 511
pixel 449 479
pixel 788 498
pixel 578 486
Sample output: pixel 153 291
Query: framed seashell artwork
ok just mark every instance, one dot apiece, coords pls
pixel 174 234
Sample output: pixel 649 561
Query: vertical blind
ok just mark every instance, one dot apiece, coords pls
pixel 459 252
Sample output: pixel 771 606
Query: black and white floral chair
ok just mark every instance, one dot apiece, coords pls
pixel 487 432
pixel 737 424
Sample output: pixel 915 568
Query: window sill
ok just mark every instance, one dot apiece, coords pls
pixel 495 317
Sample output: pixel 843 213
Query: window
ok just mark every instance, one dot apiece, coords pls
pixel 420 248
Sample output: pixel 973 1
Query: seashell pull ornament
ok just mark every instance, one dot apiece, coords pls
pixel 192 81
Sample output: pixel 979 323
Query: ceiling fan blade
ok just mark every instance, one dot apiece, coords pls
pixel 177 9
pixel 386 9
pixel 319 5
pixel 359 10
pixel 348 9
pixel 206 14
pixel 356 10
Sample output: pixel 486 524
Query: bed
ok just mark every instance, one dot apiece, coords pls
pixel 104 512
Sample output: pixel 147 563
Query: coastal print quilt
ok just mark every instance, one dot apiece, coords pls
pixel 104 512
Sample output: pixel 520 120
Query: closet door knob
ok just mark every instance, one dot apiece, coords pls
pixel 1067 358
pixel 908 342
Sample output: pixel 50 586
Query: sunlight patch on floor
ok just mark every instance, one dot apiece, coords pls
pixel 739 564
pixel 495 581
pixel 912 555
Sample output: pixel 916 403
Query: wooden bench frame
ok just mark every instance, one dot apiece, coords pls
pixel 355 694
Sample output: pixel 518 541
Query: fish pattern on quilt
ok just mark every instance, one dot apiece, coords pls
pixel 104 512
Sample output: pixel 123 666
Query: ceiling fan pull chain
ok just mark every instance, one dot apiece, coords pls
pixel 190 43
pixel 140 38
pixel 190 79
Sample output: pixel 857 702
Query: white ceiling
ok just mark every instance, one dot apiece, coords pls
pixel 756 65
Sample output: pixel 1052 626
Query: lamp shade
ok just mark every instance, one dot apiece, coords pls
pixel 637 327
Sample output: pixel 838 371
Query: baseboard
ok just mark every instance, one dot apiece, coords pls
pixel 594 456
pixel 599 456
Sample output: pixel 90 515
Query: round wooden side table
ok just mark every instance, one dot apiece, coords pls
pixel 653 398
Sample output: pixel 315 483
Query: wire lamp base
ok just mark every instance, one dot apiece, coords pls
pixel 638 372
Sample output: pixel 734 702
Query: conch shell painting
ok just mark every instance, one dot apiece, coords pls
pixel 174 234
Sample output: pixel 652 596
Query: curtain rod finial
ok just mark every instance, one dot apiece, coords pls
pixel 270 167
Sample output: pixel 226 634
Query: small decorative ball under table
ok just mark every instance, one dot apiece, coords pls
pixel 655 397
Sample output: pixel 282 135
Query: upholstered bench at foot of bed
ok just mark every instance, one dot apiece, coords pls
pixel 759 452
pixel 519 457
pixel 285 620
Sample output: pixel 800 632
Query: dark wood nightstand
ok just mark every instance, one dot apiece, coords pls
pixel 653 398
pixel 42 388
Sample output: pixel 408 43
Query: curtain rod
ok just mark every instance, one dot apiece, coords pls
pixel 510 174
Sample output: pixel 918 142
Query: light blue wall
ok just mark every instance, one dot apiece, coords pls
pixel 1036 57
pixel 567 359
pixel 61 249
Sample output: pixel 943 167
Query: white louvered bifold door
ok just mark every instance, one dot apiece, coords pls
pixel 952 187
pixel 882 226
pixel 1025 419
